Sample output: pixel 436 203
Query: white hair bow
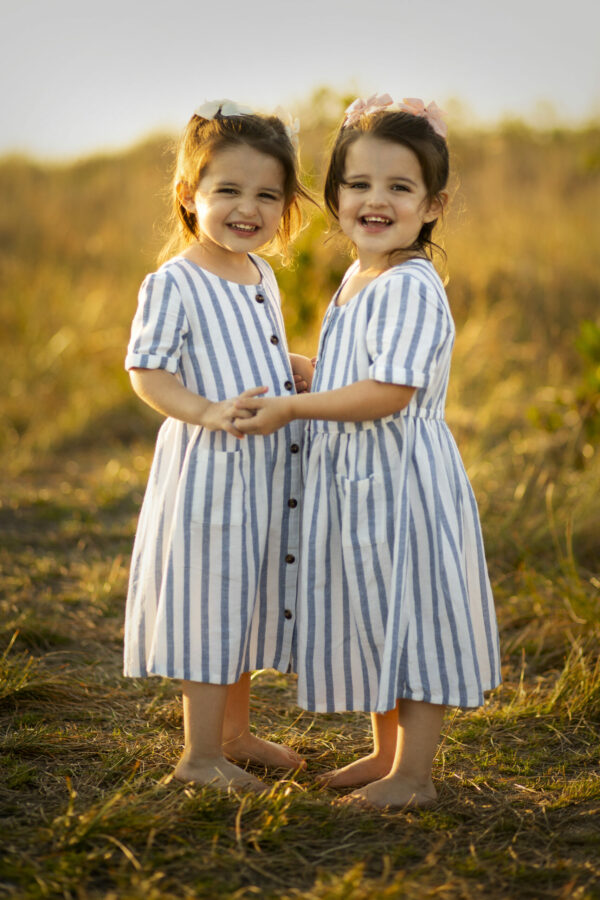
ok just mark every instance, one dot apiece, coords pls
pixel 224 108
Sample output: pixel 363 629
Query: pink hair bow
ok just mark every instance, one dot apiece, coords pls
pixel 366 107
pixel 432 113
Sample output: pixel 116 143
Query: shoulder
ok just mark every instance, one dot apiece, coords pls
pixel 164 277
pixel 417 278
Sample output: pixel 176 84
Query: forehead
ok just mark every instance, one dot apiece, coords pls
pixel 244 164
pixel 368 155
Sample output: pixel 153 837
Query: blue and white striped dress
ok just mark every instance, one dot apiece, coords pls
pixel 394 595
pixel 212 590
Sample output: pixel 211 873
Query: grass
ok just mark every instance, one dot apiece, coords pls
pixel 88 806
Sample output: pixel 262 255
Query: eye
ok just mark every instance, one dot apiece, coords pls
pixel 226 190
pixel 266 195
pixel 357 185
pixel 400 187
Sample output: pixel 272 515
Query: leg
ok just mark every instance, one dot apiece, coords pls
pixel 202 760
pixel 376 764
pixel 240 745
pixel 409 782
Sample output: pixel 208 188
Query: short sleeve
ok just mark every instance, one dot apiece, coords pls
pixel 159 325
pixel 405 333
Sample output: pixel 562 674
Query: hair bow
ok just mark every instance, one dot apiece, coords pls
pixel 225 108
pixel 292 125
pixel 431 112
pixel 366 107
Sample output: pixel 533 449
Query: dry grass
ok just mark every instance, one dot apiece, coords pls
pixel 86 804
pixel 89 809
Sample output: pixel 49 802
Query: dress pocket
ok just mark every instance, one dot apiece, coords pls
pixel 363 510
pixel 219 488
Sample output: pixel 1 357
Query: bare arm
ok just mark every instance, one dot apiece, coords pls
pixel 359 402
pixel 164 392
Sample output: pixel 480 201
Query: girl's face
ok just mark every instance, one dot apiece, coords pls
pixel 383 202
pixel 239 200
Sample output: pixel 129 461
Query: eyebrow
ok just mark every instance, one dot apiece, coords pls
pixel 352 177
pixel 272 190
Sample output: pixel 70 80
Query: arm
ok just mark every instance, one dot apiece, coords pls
pixel 165 393
pixel 359 402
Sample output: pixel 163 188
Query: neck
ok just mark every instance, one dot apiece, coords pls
pixel 222 262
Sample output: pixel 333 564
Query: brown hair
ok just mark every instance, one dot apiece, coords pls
pixel 404 128
pixel 201 140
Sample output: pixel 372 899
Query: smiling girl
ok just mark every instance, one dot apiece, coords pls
pixel 395 609
pixel 212 589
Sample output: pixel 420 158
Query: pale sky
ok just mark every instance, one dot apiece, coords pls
pixel 81 76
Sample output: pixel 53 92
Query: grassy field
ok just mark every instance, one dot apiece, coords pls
pixel 86 803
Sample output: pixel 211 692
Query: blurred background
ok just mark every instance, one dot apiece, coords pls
pixel 92 101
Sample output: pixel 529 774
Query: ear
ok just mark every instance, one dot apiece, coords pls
pixel 185 196
pixel 437 206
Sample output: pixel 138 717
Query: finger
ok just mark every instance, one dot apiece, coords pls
pixel 249 403
pixel 244 426
pixel 254 392
pixel 241 413
pixel 235 432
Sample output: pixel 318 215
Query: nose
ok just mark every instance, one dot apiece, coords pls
pixel 375 197
pixel 247 204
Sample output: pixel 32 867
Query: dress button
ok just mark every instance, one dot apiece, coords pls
pixel 290 558
pixel 294 448
pixel 292 503
pixel 288 385
pixel 288 613
pixel 274 339
pixel 260 298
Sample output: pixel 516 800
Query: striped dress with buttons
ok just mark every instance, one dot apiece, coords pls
pixel 212 590
pixel 394 596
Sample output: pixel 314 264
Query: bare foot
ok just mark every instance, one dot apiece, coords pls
pixel 362 771
pixel 247 748
pixel 218 773
pixel 395 792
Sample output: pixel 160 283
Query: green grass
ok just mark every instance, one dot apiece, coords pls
pixel 88 806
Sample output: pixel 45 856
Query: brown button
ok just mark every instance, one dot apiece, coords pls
pixel 274 339
pixel 290 559
pixel 288 613
pixel 292 503
pixel 294 448
pixel 260 298
pixel 288 385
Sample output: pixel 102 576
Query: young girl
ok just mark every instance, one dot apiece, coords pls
pixel 213 577
pixel 395 609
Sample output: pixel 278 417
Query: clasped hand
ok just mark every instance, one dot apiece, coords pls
pixel 261 415
pixel 226 415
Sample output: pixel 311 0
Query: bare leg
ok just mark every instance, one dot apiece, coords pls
pixel 202 760
pixel 376 764
pixel 240 745
pixel 409 782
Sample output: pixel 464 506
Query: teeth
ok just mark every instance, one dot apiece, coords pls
pixel 376 219
pixel 241 227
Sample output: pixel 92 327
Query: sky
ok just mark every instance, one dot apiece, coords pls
pixel 81 77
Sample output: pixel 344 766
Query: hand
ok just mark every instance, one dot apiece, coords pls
pixel 303 369
pixel 266 414
pixel 300 384
pixel 219 415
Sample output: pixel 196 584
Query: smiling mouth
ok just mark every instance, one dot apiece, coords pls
pixel 375 220
pixel 243 227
